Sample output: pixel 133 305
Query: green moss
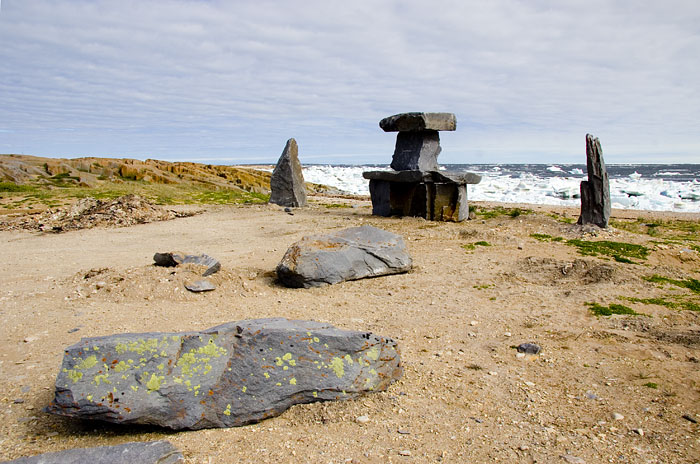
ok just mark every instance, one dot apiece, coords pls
pixel 489 213
pixel 613 309
pixel 621 251
pixel 472 246
pixel 651 385
pixel 541 237
pixel 691 284
pixel 12 187
pixel 337 205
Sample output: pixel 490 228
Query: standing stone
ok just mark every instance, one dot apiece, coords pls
pixel 416 151
pixel 156 452
pixel 287 181
pixel 229 375
pixel 349 254
pixel 595 193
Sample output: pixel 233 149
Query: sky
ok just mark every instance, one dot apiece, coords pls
pixel 228 82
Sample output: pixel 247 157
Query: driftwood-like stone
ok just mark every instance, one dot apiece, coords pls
pixel 156 452
pixel 233 374
pixel 411 122
pixel 595 193
pixel 287 182
pixel 350 254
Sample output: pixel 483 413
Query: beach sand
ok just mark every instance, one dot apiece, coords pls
pixel 465 396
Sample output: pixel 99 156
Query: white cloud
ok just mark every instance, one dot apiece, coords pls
pixel 214 79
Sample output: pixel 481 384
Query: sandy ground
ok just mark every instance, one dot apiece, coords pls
pixel 466 396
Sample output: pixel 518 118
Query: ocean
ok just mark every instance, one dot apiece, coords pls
pixel 653 187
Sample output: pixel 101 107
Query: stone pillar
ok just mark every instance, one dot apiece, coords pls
pixel 595 193
pixel 287 182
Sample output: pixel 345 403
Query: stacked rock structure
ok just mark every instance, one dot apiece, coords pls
pixel 416 186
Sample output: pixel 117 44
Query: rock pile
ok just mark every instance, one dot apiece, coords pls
pixel 416 187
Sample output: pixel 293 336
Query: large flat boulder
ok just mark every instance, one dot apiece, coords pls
pixel 349 254
pixel 410 122
pixel 287 187
pixel 233 374
pixel 155 452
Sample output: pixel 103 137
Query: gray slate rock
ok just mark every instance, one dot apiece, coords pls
pixel 416 151
pixel 287 181
pixel 173 259
pixel 230 375
pixel 201 285
pixel 156 452
pixel 595 193
pixel 529 348
pixel 349 254
pixel 406 122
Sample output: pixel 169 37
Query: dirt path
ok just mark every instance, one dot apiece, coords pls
pixel 466 395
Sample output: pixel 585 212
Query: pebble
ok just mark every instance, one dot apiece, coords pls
pixel 362 419
pixel 18 401
pixel 74 329
pixel 639 432
pixel 404 453
pixel 529 348
pixel 519 355
pixel 573 459
pixel 617 416
pixel 493 373
pixel 403 432
pixel 473 323
pixel 690 418
pixel 530 384
pixel 508 334
pixel 524 448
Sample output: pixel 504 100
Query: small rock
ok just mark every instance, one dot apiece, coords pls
pixel 690 418
pixel 202 285
pixel 493 373
pixel 591 395
pixel 523 447
pixel 287 209
pixel 508 334
pixel 530 384
pixel 362 419
pixel 617 416
pixel 404 453
pixel 18 401
pixel 529 348
pixel 403 432
pixel 639 432
pixel 100 284
pixel 74 329
pixel 519 355
pixel 473 323
pixel 30 339
pixel 573 459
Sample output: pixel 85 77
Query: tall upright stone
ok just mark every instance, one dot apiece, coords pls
pixel 287 181
pixel 595 193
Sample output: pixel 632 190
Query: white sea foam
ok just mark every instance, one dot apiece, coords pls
pixel 631 192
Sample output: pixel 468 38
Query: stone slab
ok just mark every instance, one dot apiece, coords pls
pixel 229 375
pixel 155 452
pixel 406 122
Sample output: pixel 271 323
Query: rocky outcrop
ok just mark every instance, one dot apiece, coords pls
pixel 233 374
pixel 350 254
pixel 156 452
pixel 595 193
pixel 287 182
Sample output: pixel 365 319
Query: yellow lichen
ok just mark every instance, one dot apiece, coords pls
pixel 227 411
pixel 292 381
pixel 337 367
pixel 154 383
pixel 87 363
pixel 373 354
pixel 74 375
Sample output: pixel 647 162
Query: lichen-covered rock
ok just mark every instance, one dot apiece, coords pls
pixel 233 374
pixel 349 254
pixel 156 452
pixel 287 187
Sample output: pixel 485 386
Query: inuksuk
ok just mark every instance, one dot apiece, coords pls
pixel 416 186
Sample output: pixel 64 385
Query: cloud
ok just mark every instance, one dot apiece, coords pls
pixel 214 79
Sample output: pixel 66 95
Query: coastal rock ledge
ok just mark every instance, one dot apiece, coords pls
pixel 229 375
pixel 350 254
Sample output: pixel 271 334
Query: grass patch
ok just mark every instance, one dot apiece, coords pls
pixel 12 187
pixel 620 251
pixel 472 246
pixel 651 385
pixel 669 230
pixel 691 284
pixel 489 213
pixel 679 303
pixel 560 218
pixel 613 309
pixel 337 205
pixel 546 238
